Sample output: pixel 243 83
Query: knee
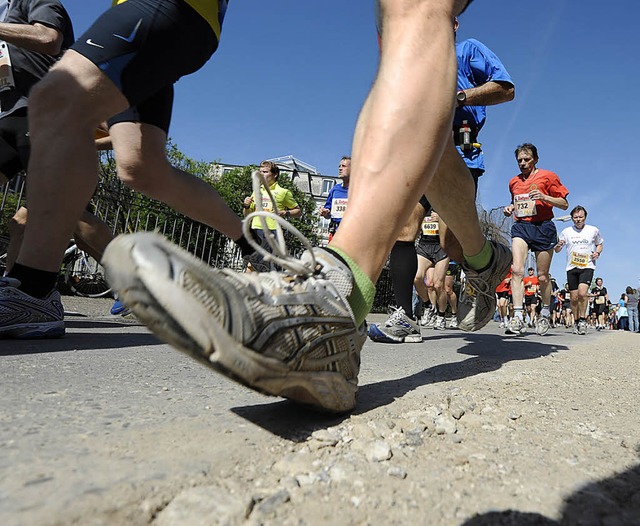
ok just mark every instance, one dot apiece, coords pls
pixel 517 272
pixel 142 173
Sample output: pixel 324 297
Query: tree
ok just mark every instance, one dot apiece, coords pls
pixel 129 211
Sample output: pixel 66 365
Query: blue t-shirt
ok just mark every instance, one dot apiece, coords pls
pixel 337 192
pixel 477 65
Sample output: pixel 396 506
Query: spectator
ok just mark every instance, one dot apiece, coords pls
pixel 632 308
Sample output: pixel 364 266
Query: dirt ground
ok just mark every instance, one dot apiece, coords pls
pixel 552 440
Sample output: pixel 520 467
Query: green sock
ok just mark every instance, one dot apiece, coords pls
pixel 364 290
pixel 482 259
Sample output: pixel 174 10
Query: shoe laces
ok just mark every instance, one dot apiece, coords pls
pixel 396 315
pixel 476 285
pixel 279 253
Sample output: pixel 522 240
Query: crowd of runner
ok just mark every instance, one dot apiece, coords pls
pixel 295 331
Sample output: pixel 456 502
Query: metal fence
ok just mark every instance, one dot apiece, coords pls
pixel 124 212
pixel 119 207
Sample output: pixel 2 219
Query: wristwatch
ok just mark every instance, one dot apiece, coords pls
pixel 461 97
pixel 287 214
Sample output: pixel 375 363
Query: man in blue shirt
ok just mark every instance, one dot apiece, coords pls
pixel 336 204
pixel 482 81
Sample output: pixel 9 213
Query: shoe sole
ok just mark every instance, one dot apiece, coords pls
pixel 175 317
pixel 377 335
pixel 54 329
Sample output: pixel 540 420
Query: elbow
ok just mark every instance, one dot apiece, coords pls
pixel 510 93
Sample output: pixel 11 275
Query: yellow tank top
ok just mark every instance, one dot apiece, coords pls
pixel 212 11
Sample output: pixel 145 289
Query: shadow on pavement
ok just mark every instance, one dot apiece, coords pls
pixel 489 352
pixel 614 501
pixel 79 341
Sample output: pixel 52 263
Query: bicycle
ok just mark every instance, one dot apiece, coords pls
pixel 83 274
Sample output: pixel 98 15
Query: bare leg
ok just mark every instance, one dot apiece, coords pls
pixel 92 235
pixel 17 224
pixel 452 194
pixel 520 249
pixel 63 165
pixel 543 262
pixel 143 165
pixel 402 128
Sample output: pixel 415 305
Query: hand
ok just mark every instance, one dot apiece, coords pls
pixel 595 255
pixel 561 243
pixel 508 210
pixel 325 212
pixel 248 200
pixel 537 195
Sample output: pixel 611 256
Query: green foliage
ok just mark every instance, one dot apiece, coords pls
pixel 142 213
pixel 234 185
pixel 8 206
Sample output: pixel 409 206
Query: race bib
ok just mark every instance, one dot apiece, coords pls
pixel 524 205
pixel 6 72
pixel 430 228
pixel 338 207
pixel 579 260
pixel 267 205
pixel 600 300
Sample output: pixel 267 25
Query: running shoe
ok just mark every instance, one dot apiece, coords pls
pixel 477 303
pixel 516 326
pixel 399 328
pixel 119 308
pixel 542 326
pixel 502 324
pixel 427 316
pixel 582 327
pixel 453 324
pixel 440 324
pixel 25 317
pixel 290 334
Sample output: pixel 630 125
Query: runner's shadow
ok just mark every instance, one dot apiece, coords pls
pixel 489 352
pixel 75 341
pixel 614 500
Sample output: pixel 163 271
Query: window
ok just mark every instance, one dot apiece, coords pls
pixel 327 185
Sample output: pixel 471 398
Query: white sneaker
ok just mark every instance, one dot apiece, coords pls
pixel 291 333
pixel 542 326
pixel 453 324
pixel 440 323
pixel 516 326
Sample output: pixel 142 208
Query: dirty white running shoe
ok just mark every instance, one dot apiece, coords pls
pixel 515 326
pixel 542 326
pixel 477 302
pixel 23 316
pixel 289 334
pixel 440 323
pixel 398 328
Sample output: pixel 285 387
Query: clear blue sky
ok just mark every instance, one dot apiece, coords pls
pixel 291 75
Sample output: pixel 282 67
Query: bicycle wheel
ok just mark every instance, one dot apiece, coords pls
pixel 85 276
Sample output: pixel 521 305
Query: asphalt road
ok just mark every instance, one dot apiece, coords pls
pixel 110 406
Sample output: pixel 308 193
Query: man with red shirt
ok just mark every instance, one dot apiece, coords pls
pixel 503 292
pixel 531 289
pixel 534 193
